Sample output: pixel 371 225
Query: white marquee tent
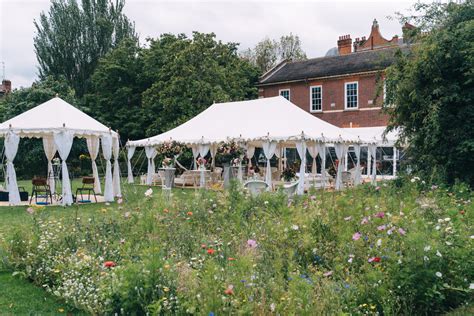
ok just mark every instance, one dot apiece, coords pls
pixel 57 123
pixel 270 123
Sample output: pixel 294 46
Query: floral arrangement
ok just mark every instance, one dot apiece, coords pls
pixel 167 163
pixel 201 162
pixel 228 152
pixel 170 149
pixel 288 174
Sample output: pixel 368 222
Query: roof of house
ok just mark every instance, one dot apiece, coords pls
pixel 331 66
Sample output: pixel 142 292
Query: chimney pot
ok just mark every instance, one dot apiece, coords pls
pixel 344 44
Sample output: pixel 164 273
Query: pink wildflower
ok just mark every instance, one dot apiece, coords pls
pixel 364 221
pixel 401 231
pixel 380 215
pixel 251 243
pixel 356 236
pixel 381 227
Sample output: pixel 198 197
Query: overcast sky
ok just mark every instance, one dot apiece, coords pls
pixel 318 23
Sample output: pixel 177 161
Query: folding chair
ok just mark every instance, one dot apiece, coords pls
pixel 41 189
pixel 88 187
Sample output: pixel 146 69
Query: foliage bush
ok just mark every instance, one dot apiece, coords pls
pixel 393 249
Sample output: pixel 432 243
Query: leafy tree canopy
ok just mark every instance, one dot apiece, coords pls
pixel 267 53
pixel 189 74
pixel 116 88
pixel 432 89
pixel 72 38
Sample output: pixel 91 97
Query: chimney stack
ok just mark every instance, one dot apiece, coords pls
pixel 344 44
pixel 6 86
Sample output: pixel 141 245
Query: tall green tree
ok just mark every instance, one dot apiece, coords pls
pixel 432 93
pixel 72 38
pixel 267 53
pixel 290 48
pixel 117 85
pixel 189 74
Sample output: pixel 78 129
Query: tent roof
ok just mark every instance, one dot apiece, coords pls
pixel 375 134
pixel 273 118
pixel 54 115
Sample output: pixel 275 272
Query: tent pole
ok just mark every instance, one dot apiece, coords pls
pixel 394 161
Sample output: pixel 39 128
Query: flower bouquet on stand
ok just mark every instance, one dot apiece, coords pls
pixel 170 149
pixel 288 174
pixel 229 154
pixel 167 163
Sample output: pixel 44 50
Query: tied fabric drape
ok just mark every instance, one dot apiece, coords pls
pixel 269 150
pixel 341 150
pixel 301 148
pixel 50 150
pixel 357 178
pixel 150 153
pixel 63 141
pixel 116 174
pixel 313 151
pixel 250 151
pixel 195 150
pixel 321 149
pixel 12 141
pixel 373 152
pixel 107 153
pixel 213 150
pixel 130 152
pixel 93 144
pixel 203 150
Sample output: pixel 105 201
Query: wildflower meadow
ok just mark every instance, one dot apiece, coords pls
pixel 403 247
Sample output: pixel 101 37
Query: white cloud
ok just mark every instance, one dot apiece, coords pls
pixel 318 24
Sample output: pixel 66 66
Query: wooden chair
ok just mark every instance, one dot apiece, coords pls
pixel 41 188
pixel 87 186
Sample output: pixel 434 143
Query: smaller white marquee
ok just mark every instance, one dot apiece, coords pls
pixel 57 123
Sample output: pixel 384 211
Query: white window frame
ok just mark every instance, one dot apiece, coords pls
pixel 345 95
pixel 311 99
pixel 289 93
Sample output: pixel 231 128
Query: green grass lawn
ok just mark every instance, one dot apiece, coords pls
pixel 19 297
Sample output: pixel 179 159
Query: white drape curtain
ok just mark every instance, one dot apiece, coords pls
pixel 357 179
pixel 63 141
pixel 203 150
pixel 150 153
pixel 107 153
pixel 50 150
pixel 93 144
pixel 313 151
pixel 321 149
pixel 116 174
pixel 213 150
pixel 301 148
pixel 195 150
pixel 373 152
pixel 249 152
pixel 269 150
pixel 12 141
pixel 341 150
pixel 130 152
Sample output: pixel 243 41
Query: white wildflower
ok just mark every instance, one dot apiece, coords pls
pixel 439 274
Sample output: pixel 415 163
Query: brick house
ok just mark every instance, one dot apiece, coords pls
pixel 5 87
pixel 345 87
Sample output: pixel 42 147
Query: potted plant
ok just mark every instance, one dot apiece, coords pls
pixel 288 174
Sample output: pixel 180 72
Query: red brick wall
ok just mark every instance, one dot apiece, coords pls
pixel 333 92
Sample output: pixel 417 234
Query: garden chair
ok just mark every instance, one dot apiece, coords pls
pixel 290 188
pixel 41 189
pixel 87 187
pixel 255 187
